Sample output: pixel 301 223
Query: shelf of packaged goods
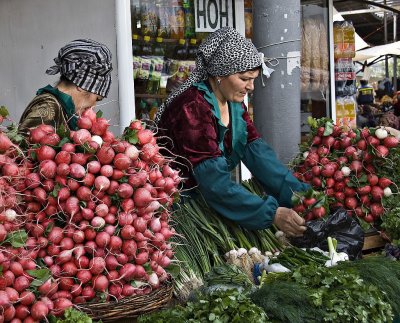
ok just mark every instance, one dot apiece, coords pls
pixel 151 96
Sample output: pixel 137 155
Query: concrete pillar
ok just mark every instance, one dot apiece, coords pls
pixel 277 33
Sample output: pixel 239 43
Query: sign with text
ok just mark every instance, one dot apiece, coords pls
pixel 211 15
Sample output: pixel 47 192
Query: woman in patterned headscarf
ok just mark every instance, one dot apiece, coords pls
pixel 211 129
pixel 85 69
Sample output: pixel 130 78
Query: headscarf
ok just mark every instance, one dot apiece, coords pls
pixel 87 64
pixel 224 52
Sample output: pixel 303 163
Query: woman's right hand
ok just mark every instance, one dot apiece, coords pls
pixel 289 222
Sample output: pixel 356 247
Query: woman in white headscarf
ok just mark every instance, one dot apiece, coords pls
pixel 210 128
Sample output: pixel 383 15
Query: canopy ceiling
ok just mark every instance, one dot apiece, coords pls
pixel 368 20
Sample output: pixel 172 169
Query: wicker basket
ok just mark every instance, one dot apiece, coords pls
pixel 130 307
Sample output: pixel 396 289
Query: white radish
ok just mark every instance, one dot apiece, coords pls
pixel 387 192
pixel 381 133
pixel 97 139
pixel 10 214
pixel 346 171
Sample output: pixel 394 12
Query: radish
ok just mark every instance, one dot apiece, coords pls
pixel 89 113
pixel 45 152
pixel 132 152
pixel 142 197
pixel 129 248
pixel 98 222
pixel 127 271
pixel 387 191
pixel 106 170
pixel 81 136
pixel 381 133
pixel 376 193
pixel 9 313
pixel 84 276
pixel 21 311
pixel 97 265
pixel 101 210
pixel 102 183
pixel 35 135
pixel 384 182
pixel 60 305
pixel 51 139
pixel 84 123
pixel 100 126
pixel 39 310
pixel 144 136
pixel 47 169
pixel 98 140
pixel 100 283
pixel 391 142
pixel 102 239
pixel 122 161
pixel 125 190
pixel 105 154
pixel 377 209
pixel 21 283
pixel 382 151
pixel 4 299
pixel 153 280
pixel 93 167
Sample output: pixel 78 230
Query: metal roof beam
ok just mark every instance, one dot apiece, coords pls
pixel 361 11
pixel 372 3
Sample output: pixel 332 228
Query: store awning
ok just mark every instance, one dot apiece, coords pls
pixel 377 51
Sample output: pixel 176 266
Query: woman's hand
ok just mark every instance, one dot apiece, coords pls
pixel 289 222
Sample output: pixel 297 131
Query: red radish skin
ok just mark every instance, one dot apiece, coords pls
pixel 51 139
pixel 45 153
pixel 39 310
pixel 60 305
pixel 105 154
pixel 100 126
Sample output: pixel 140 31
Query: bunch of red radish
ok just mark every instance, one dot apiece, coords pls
pixel 344 166
pixel 93 213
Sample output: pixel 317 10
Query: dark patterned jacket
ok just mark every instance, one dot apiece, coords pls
pixel 44 108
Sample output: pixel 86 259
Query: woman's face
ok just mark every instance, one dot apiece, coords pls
pixel 84 100
pixel 235 87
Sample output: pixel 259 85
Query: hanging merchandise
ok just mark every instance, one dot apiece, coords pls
pixel 164 29
pixel 340 112
pixel 149 18
pixel 135 16
pixel 314 74
pixel 350 112
pixel 159 47
pixel 177 19
pixel 345 74
pixel 188 9
pixel 153 84
pixel 181 50
pixel 344 39
pixel 136 46
pixel 248 18
pixel 147 46
pixel 192 49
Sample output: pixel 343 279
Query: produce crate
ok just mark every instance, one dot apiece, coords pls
pixel 372 241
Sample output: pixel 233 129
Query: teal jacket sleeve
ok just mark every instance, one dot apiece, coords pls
pixel 230 199
pixel 276 179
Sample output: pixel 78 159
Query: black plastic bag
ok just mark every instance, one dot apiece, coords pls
pixel 345 229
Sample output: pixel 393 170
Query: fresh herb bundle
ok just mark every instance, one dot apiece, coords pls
pixel 328 295
pixel 229 306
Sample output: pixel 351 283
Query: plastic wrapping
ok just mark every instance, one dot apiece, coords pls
pixel 345 229
pixel 314 74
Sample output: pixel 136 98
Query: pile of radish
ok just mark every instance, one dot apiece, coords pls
pixel 85 217
pixel 356 169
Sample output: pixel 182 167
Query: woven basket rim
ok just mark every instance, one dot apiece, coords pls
pixel 130 307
